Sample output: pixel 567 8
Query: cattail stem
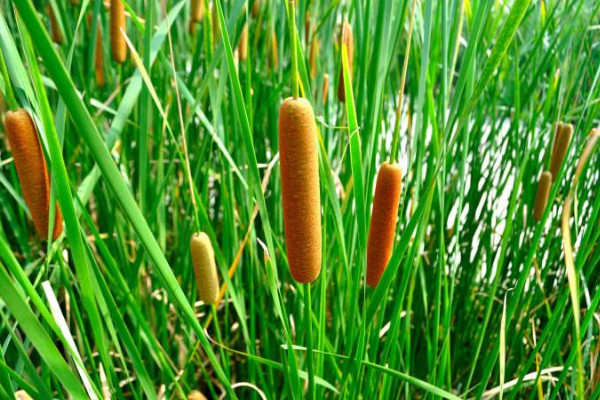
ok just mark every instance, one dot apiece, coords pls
pixel 32 171
pixel 382 230
pixel 396 140
pixel 541 196
pixel 300 190
pixel 309 344
pixel 292 24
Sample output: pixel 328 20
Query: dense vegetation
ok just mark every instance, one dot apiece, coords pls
pixel 479 299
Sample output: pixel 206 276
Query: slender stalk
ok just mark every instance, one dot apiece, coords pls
pixel 293 33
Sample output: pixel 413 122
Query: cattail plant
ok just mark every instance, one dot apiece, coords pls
pixel 32 171
pixel 22 395
pixel 196 395
pixel 315 47
pixel 197 11
pixel 562 139
pixel 382 230
pixel 243 45
pixel 74 2
pixel 117 23
pixel 274 51
pixel 57 35
pixel 542 195
pixel 205 269
pixel 307 26
pixel 216 27
pixel 99 58
pixel 299 161
pixel 255 8
pixel 348 40
pixel 325 87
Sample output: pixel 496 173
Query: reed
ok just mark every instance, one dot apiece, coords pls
pixel 117 23
pixel 542 195
pixel 562 139
pixel 382 230
pixel 205 269
pixel 32 171
pixel 300 191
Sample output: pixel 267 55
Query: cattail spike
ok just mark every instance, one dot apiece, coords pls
pixel 382 231
pixel 542 195
pixel 57 35
pixel 32 171
pixel 117 23
pixel 243 46
pixel 562 139
pixel 315 47
pixel 255 8
pixel 348 39
pixel 298 150
pixel 325 87
pixel 196 395
pixel 197 11
pixel 99 58
pixel 205 269
pixel 274 51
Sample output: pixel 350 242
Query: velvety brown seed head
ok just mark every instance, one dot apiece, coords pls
pixel 298 156
pixel 57 35
pixel 117 23
pixel 325 87
pixel 196 395
pixel 243 46
pixel 348 39
pixel 22 395
pixel 215 24
pixel 274 51
pixel 315 47
pixel 197 11
pixel 32 171
pixel 99 58
pixel 384 216
pixel 542 195
pixel 205 269
pixel 255 8
pixel 74 2
pixel 307 25
pixel 562 139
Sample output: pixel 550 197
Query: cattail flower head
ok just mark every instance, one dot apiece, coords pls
pixel 348 40
pixel 205 269
pixel 117 23
pixel 562 139
pixel 542 195
pixel 32 171
pixel 300 190
pixel 382 230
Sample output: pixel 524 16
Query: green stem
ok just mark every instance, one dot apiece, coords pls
pixel 292 24
pixel 309 345
pixel 394 154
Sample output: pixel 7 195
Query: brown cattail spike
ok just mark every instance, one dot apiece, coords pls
pixel 325 87
pixel 22 395
pixel 562 139
pixel 243 46
pixel 216 27
pixel 298 152
pixel 32 171
pixel 205 269
pixel 348 40
pixel 57 35
pixel 274 51
pixel 383 221
pixel 542 195
pixel 117 23
pixel 314 53
pixel 196 395
pixel 255 8
pixel 99 58
pixel 197 11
